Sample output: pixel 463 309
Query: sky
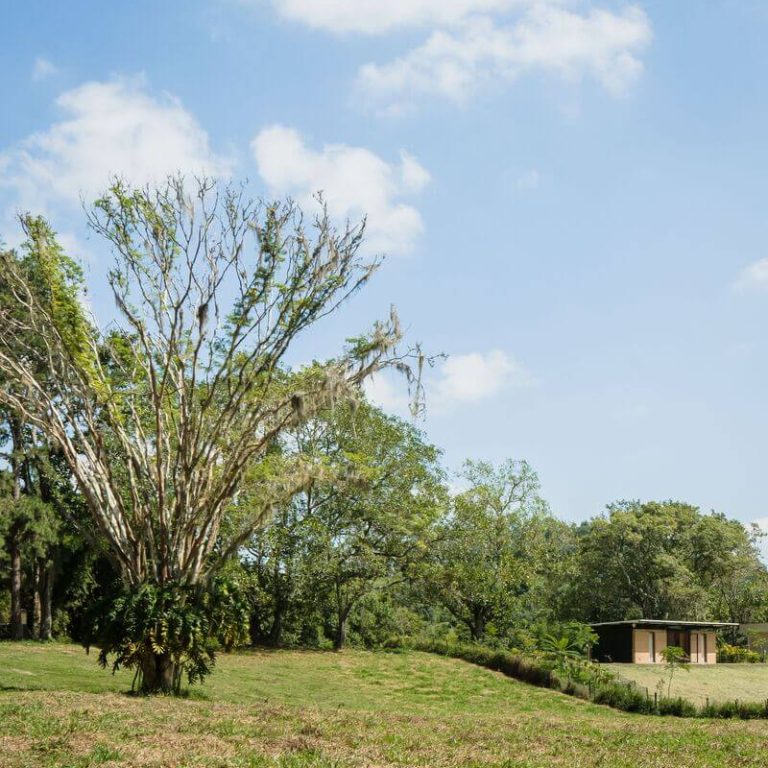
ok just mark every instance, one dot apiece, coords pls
pixel 571 195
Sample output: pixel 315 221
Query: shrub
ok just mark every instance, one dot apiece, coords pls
pixel 733 654
pixel 528 670
pixel 625 697
pixel 744 710
pixel 179 626
pixel 677 707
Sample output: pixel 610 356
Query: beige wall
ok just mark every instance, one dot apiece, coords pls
pixel 711 648
pixel 641 645
pixel 695 659
pixel 711 657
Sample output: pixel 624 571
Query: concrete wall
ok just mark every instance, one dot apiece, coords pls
pixel 711 645
pixel 711 648
pixel 641 645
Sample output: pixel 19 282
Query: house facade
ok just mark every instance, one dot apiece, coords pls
pixel 641 641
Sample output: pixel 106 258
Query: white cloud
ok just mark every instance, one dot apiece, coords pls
pixel 754 277
pixel 354 181
pixel 109 128
pixel 474 42
pixel 43 68
pixel 528 180
pixel 380 16
pixel 453 63
pixel 461 380
pixel 476 376
pixel 381 391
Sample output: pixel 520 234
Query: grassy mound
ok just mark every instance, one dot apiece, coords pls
pixel 302 709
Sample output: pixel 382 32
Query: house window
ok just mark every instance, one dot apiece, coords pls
pixel 652 647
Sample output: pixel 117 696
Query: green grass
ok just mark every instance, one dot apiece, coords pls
pixel 317 710
pixel 716 682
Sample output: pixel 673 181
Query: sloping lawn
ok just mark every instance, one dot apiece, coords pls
pixel 301 710
pixel 716 682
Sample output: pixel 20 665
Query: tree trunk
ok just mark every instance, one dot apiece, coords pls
pixel 17 628
pixel 37 611
pixel 276 630
pixel 46 625
pixel 476 624
pixel 158 674
pixel 341 630
pixel 14 540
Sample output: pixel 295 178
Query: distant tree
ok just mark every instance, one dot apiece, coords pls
pixel 41 525
pixel 27 514
pixel 492 548
pixel 374 525
pixel 665 560
pixel 160 418
pixel 275 560
pixel 31 529
pixel 360 527
pixel 725 557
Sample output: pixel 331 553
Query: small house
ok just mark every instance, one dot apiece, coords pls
pixel 641 641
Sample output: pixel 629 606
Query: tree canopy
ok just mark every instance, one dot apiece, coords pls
pixel 160 417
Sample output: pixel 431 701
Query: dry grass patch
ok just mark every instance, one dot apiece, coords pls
pixel 717 682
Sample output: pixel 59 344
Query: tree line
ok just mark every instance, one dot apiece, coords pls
pixel 169 485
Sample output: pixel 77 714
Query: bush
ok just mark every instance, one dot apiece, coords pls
pixel 625 697
pixel 677 708
pixel 733 654
pixel 528 670
pixel 182 625
pixel 743 710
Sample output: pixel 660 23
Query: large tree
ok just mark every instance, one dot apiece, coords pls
pixel 160 416
pixel 357 530
pixel 373 523
pixel 493 549
pixel 28 514
pixel 666 560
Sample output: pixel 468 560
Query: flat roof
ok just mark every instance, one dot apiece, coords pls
pixel 664 623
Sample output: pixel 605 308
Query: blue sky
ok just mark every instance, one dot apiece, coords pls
pixel 572 194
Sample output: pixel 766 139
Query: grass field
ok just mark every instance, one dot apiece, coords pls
pixel 716 682
pixel 317 710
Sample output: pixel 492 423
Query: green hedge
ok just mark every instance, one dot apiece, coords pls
pixel 618 694
pixel 520 667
